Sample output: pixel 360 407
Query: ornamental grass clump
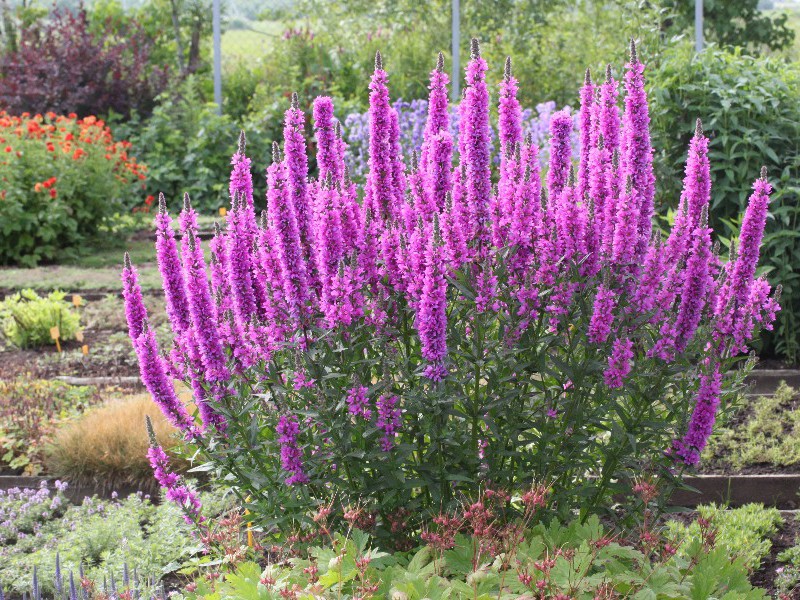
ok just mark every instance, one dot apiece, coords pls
pixel 451 326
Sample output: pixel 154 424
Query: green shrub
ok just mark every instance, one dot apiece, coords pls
pixel 27 318
pixel 61 179
pixel 768 433
pixel 750 110
pixel 743 532
pixel 188 143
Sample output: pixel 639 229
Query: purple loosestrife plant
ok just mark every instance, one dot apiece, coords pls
pixel 532 331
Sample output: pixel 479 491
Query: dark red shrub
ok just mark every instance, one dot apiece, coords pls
pixel 62 66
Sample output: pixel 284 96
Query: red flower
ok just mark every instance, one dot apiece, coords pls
pixel 53 193
pixel 149 200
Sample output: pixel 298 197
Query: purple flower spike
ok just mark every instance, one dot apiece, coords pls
pixel 241 178
pixel 135 312
pixel 560 158
pixel 291 454
pixel 585 128
pixel 432 316
pixel 297 173
pixel 619 363
pixel 154 378
pixel 637 154
pixel 703 417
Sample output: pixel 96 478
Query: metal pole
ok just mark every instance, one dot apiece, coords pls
pixel 698 25
pixel 217 55
pixel 455 89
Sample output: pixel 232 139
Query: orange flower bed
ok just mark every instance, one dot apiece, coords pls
pixel 71 168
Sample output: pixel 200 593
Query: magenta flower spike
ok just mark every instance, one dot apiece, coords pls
pixel 696 195
pixel 241 181
pixel 750 236
pixel 219 272
pixel 437 147
pixel 475 130
pixel 701 424
pixel 238 258
pixel 585 129
pixel 605 303
pixel 608 113
pixel 599 190
pixel 294 146
pixel 637 156
pixel 170 481
pixel 389 420
pixel 379 191
pixel 135 311
pixel 431 321
pixel 510 113
pixel 560 159
pixel 619 363
pixel 287 237
pixel 204 316
pixel 169 265
pixel 291 454
pixel 697 284
pixel 328 159
pixel 155 380
pixel 624 248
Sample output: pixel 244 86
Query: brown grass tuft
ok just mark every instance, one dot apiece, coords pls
pixel 107 447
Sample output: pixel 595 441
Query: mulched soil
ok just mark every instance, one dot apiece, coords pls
pixel 45 363
pixel 787 536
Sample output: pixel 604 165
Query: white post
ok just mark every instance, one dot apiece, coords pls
pixel 698 25
pixel 455 89
pixel 216 26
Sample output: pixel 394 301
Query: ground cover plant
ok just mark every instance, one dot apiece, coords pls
pixel 46 542
pixel 764 433
pixel 744 532
pixel 60 179
pixel 30 411
pixel 398 351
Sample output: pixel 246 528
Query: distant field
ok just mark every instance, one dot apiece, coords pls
pixel 250 42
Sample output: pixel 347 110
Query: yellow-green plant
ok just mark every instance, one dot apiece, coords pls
pixel 27 319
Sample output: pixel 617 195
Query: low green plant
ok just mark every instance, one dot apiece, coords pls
pixel 578 560
pixel 788 578
pixel 745 533
pixel 28 319
pixel 30 410
pixel 105 536
pixel 767 432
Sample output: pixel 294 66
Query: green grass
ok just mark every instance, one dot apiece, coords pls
pixel 250 43
pixel 97 268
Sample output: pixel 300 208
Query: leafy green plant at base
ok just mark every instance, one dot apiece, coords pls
pixel 28 318
pixel 743 532
pixel 751 114
pixel 30 410
pixel 579 560
pixel 769 434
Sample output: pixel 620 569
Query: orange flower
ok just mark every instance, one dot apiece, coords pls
pixel 78 153
pixel 38 188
